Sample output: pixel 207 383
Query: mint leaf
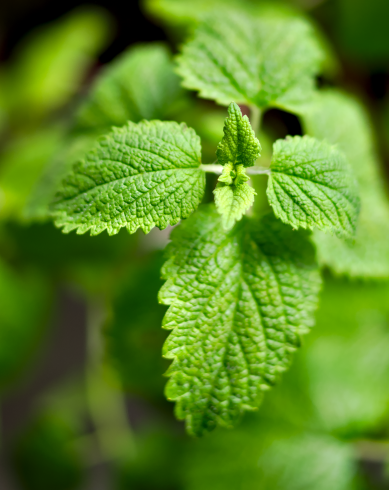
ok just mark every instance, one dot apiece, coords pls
pixel 265 60
pixel 239 144
pixel 343 121
pixel 240 301
pixel 311 186
pixel 232 201
pixel 138 84
pixel 239 148
pixel 141 175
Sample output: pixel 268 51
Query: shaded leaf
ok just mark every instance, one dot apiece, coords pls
pixel 266 60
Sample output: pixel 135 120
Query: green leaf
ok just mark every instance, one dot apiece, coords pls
pixel 311 186
pixel 138 84
pixel 22 161
pixel 141 175
pixel 54 60
pixel 265 60
pixel 343 121
pixel 239 145
pixel 232 201
pixel 240 301
pixel 239 148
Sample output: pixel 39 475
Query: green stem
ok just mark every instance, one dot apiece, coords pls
pixel 106 404
pixel 255 118
pixel 218 169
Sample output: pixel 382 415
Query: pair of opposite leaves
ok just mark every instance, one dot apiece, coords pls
pixel 241 295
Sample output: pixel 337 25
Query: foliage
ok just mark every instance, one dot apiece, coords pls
pixel 266 61
pixel 267 216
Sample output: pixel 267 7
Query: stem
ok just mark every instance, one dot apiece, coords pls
pixel 106 404
pixel 255 118
pixel 218 169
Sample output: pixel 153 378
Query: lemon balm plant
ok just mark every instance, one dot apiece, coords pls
pixel 242 287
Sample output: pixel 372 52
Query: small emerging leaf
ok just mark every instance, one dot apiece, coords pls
pixel 311 186
pixel 239 145
pixel 141 175
pixel 240 301
pixel 232 202
pixel 238 149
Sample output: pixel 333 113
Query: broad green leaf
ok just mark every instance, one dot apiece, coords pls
pixel 138 84
pixel 240 301
pixel 22 161
pixel 264 60
pixel 311 186
pixel 54 60
pixel 25 299
pixel 341 120
pixel 232 202
pixel 141 175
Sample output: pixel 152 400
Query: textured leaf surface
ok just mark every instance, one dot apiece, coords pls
pixel 232 201
pixel 341 120
pixel 142 175
pixel 239 302
pixel 239 144
pixel 239 148
pixel 138 84
pixel 311 186
pixel 263 60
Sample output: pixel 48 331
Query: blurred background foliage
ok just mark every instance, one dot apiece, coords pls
pixel 81 385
